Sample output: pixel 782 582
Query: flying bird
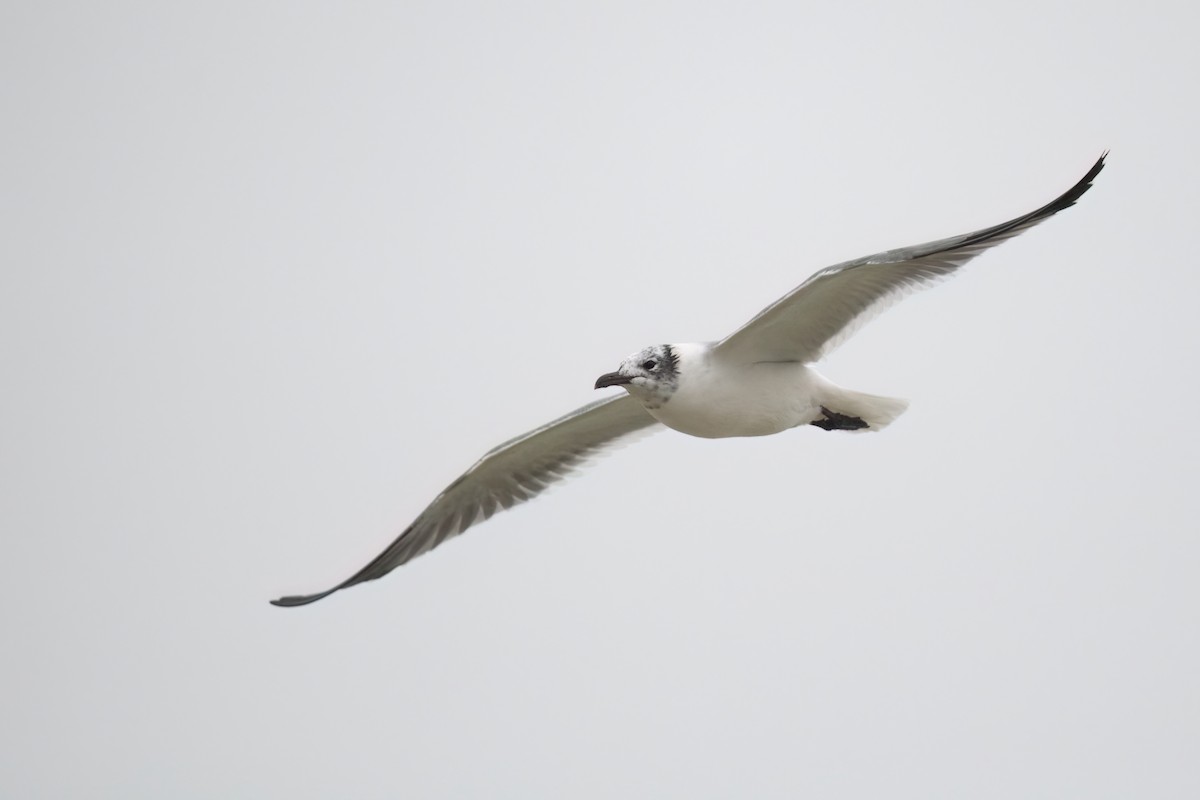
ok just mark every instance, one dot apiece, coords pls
pixel 754 382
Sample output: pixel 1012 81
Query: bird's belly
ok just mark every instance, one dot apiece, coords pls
pixel 758 400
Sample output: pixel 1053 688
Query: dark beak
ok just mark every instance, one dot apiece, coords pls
pixel 612 379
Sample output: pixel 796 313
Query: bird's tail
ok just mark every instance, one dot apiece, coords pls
pixel 875 410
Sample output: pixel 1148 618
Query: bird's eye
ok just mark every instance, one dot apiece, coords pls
pixel 649 364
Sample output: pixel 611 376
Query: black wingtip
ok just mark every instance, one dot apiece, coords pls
pixel 1069 198
pixel 294 600
pixel 1064 200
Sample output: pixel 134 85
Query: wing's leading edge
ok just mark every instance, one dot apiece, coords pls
pixel 516 471
pixel 810 321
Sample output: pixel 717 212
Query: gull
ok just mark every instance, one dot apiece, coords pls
pixel 755 382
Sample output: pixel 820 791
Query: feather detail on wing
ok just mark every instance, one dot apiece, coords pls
pixel 516 471
pixel 814 318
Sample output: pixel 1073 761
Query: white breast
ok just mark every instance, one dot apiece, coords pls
pixel 716 399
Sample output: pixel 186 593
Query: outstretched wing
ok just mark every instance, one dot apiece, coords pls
pixel 516 471
pixel 814 318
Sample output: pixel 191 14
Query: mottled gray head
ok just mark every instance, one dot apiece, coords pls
pixel 651 375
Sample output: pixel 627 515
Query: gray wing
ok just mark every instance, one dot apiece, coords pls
pixel 814 318
pixel 516 471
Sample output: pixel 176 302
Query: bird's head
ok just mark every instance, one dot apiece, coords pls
pixel 651 374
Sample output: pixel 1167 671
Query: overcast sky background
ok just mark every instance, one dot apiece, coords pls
pixel 273 274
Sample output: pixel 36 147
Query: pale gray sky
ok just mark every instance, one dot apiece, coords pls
pixel 273 274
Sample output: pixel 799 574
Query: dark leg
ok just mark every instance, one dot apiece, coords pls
pixel 834 421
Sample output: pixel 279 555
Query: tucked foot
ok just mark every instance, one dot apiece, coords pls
pixel 834 421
